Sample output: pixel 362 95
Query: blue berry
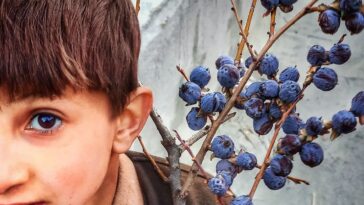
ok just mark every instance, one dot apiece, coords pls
pixel 269 65
pixel 290 73
pixel 329 21
pixel 289 145
pixel 223 60
pixel 339 53
pixel 350 6
pixel 253 89
pixel 228 75
pixel 254 107
pixel 312 154
pixel 248 61
pixel 287 2
pixel 314 126
pixel 281 165
pixel 317 55
pixel 246 161
pixel 190 92
pixel 289 91
pixel 269 4
pixel 225 165
pixel 275 111
pixel 263 125
pixel 292 124
pixel 343 122
pixel 269 89
pixel 325 79
pixel 228 177
pixel 201 76
pixel 213 102
pixel 357 104
pixel 222 146
pixel 273 181
pixel 355 22
pixel 242 200
pixel 194 121
pixel 218 185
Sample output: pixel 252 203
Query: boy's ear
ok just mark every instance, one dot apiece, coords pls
pixel 132 118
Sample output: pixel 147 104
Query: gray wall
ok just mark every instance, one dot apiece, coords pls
pixel 191 33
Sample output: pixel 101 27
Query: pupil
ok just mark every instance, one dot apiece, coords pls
pixel 46 120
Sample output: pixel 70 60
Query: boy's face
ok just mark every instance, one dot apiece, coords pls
pixel 55 151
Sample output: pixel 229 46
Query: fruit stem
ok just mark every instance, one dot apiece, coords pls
pixel 182 71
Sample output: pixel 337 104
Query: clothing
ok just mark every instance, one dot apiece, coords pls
pixel 157 192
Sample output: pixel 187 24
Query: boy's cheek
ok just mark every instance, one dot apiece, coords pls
pixel 76 168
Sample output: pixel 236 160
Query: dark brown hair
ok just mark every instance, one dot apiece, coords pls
pixel 46 45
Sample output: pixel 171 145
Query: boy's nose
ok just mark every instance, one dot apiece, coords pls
pixel 11 178
pixel 13 173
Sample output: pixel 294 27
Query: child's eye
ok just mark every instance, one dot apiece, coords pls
pixel 44 122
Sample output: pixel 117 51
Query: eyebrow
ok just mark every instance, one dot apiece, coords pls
pixel 27 98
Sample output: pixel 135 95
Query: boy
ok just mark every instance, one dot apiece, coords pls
pixel 70 106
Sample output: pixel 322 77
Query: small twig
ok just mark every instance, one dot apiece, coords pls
pixel 241 45
pixel 294 179
pixel 182 71
pixel 186 147
pixel 342 38
pixel 297 180
pixel 272 22
pixel 155 165
pixel 137 6
pixel 203 132
pixel 204 148
pixel 242 33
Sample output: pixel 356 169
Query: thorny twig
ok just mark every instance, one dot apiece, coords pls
pixel 204 148
pixel 186 147
pixel 242 32
pixel 150 158
pixel 241 45
pixel 272 22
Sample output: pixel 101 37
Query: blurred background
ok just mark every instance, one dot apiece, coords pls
pixel 195 32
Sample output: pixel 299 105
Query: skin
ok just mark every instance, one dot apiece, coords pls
pixel 78 161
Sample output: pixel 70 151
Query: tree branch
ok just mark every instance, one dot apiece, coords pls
pixel 174 154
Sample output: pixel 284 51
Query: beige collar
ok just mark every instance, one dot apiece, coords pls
pixel 128 191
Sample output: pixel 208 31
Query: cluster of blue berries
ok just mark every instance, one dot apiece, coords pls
pixel 326 78
pixel 347 10
pixel 193 91
pixel 229 166
pixel 265 101
pixel 284 5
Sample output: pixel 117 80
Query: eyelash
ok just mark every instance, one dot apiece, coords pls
pixel 44 131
